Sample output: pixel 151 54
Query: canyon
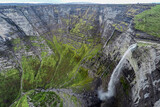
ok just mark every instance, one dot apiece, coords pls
pixel 64 54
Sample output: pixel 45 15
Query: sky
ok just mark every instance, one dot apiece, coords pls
pixel 92 1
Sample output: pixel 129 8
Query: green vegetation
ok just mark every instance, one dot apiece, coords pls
pixel 64 66
pixel 22 102
pixel 71 99
pixel 121 26
pixel 39 99
pixel 16 43
pixel 62 69
pixel 45 99
pixel 131 12
pixel 81 29
pixel 30 68
pixel 124 84
pixel 74 99
pixel 149 21
pixel 143 44
pixel 9 87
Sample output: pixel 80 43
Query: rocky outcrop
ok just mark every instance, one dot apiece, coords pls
pixel 140 74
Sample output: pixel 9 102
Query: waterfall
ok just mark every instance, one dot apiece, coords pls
pixel 115 76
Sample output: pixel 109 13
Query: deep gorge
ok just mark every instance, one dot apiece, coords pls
pixel 62 55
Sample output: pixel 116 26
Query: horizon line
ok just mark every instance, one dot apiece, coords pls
pixel 72 3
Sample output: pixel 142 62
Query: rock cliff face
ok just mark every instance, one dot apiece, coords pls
pixel 61 55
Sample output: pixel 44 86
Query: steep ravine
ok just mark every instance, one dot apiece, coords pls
pixel 62 55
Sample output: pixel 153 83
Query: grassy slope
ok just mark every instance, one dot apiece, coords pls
pixel 21 102
pixel 9 87
pixel 149 21
pixel 43 99
pixel 60 67
pixel 63 69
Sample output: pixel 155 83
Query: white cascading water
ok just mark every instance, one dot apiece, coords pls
pixel 115 76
